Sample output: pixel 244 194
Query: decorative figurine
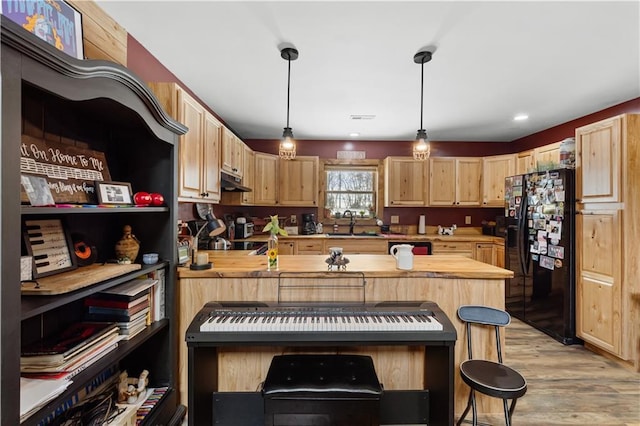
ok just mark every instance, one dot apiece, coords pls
pixel 446 231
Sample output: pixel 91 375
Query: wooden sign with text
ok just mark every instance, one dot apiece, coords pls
pixel 70 171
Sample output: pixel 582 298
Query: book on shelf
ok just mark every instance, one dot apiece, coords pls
pixel 107 301
pixel 130 290
pixel 118 318
pixel 158 295
pixel 118 311
pixel 58 348
pixel 76 363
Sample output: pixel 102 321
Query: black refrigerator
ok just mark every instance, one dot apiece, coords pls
pixel 540 250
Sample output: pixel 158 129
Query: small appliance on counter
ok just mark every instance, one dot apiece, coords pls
pixel 243 228
pixel 308 224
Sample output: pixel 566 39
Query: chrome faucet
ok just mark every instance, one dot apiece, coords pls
pixel 352 220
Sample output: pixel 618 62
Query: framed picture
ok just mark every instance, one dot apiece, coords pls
pixel 49 244
pixel 54 21
pixel 114 192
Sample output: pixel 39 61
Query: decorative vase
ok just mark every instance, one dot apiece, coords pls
pixel 128 246
pixel 272 252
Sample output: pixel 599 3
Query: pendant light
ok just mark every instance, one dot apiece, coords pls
pixel 287 149
pixel 421 149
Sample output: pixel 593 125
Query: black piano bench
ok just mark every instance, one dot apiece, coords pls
pixel 321 390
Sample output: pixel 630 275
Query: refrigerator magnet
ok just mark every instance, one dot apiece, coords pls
pixel 556 251
pixel 547 262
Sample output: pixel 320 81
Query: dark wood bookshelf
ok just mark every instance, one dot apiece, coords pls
pixel 102 106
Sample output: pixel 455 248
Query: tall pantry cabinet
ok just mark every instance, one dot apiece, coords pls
pixel 608 236
pixel 99 106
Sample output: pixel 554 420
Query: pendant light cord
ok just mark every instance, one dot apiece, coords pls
pixel 288 87
pixel 421 94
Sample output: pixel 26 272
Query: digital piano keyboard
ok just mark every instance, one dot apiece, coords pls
pixel 374 323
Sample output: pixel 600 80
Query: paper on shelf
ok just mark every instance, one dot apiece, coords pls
pixel 34 393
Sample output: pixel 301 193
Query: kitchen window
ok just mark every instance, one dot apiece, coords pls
pixel 351 188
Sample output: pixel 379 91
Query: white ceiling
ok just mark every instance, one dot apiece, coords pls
pixel 555 61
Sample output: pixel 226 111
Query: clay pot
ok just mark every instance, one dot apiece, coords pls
pixel 128 246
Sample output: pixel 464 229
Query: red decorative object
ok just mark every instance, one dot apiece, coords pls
pixel 142 198
pixel 157 199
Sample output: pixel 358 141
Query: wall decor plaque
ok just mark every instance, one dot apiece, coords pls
pixel 70 170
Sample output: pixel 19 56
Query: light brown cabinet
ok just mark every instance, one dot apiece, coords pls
pixel 485 252
pixel 298 182
pixel 548 156
pixel 310 246
pixel 199 148
pixel 357 245
pixel 405 182
pixel 287 247
pixel 525 162
pixel 460 248
pixel 265 189
pixel 599 173
pixel 232 153
pixel 494 170
pixel 455 181
pixel 607 236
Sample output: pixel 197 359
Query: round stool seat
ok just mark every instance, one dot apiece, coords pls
pixel 492 378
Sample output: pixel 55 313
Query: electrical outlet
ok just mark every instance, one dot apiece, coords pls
pixel 395 219
pixel 467 220
pixel 294 219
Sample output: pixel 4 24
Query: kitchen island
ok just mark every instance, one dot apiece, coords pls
pixel 450 281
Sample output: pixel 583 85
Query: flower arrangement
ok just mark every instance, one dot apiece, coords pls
pixel 272 253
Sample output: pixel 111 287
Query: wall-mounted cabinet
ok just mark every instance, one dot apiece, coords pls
pixel 199 148
pixel 600 171
pixel 455 181
pixel 265 189
pixel 547 156
pixel 98 106
pixel 405 182
pixel 525 162
pixel 232 153
pixel 494 170
pixel 298 180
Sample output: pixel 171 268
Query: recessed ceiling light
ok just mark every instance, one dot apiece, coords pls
pixel 362 116
pixel 354 134
pixel 520 117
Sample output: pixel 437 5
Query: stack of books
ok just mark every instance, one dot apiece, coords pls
pixel 128 305
pixel 65 354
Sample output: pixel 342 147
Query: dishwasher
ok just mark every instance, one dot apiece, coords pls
pixel 419 247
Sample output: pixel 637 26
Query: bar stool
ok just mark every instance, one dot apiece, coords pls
pixel 320 389
pixel 489 377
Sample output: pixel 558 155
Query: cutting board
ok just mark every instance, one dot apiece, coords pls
pixel 66 282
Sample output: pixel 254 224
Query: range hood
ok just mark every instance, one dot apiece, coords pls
pixel 231 183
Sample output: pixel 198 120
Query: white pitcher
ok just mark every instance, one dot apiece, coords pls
pixel 403 254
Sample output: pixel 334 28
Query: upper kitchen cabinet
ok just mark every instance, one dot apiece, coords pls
pixel 298 182
pixel 455 181
pixel 599 161
pixel 494 170
pixel 232 153
pixel 199 148
pixel 244 198
pixel 525 162
pixel 265 189
pixel 547 156
pixel 405 182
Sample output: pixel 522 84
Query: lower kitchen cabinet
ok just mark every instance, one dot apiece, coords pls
pixel 311 246
pixel 465 249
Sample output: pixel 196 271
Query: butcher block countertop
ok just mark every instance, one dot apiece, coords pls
pixel 238 264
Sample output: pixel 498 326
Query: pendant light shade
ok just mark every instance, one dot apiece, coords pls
pixel 421 149
pixel 287 149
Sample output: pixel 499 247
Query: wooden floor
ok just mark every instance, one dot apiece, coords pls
pixel 568 385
